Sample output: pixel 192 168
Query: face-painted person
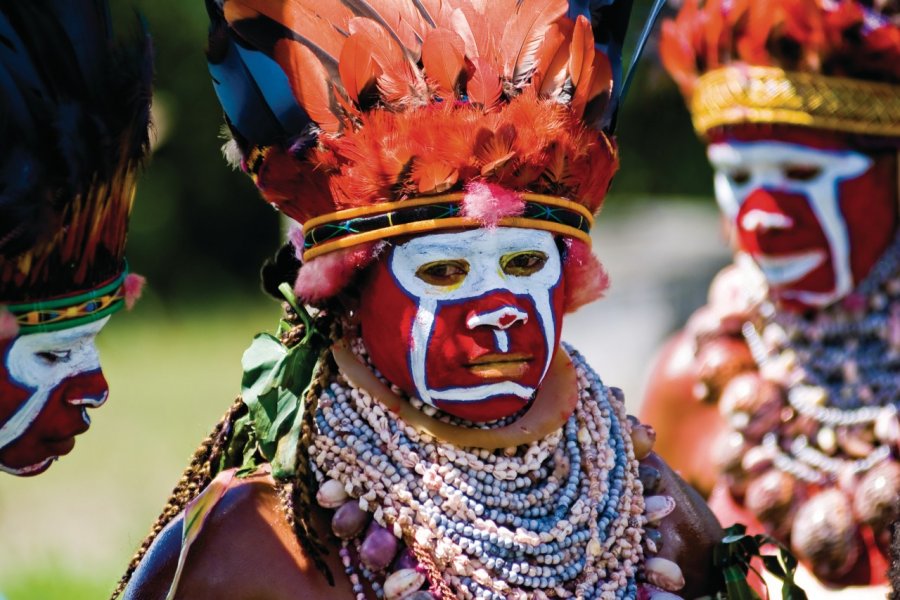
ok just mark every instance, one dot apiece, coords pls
pixel 75 117
pixel 790 374
pixel 446 163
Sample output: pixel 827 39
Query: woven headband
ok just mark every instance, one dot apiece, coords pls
pixel 350 227
pixel 66 312
pixel 745 94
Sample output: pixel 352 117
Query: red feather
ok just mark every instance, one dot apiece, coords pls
pixel 524 35
pixel 715 24
pixel 678 57
pixel 433 176
pixel 484 87
pixel 443 56
pixel 554 64
pixel 357 66
pixel 309 82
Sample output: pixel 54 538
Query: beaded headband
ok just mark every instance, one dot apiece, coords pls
pixel 749 94
pixel 70 311
pixel 350 227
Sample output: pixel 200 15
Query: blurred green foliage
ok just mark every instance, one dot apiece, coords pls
pixel 198 225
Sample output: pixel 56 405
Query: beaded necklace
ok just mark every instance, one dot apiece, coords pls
pixel 561 517
pixel 818 426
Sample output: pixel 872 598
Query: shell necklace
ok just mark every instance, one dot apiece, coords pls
pixel 560 517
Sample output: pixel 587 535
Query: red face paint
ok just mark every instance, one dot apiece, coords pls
pixel 477 349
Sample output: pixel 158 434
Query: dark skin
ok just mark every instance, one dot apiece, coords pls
pixel 248 551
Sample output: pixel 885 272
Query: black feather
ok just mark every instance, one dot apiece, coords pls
pixel 75 104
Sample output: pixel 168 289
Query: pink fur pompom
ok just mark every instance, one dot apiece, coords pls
pixel 586 279
pixel 326 275
pixel 9 328
pixel 133 287
pixel 489 203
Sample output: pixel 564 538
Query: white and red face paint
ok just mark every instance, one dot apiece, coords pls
pixel 47 380
pixel 814 219
pixel 467 321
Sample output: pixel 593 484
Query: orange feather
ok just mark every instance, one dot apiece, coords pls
pixel 554 64
pixel 309 82
pixel 484 87
pixel 433 176
pixel 314 31
pixel 678 57
pixel 443 56
pixel 524 35
pixel 460 24
pixel 357 66
pixel 495 148
pixel 400 18
pixel 581 64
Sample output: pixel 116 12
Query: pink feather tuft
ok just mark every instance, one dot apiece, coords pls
pixel 133 288
pixel 326 275
pixel 586 279
pixel 9 327
pixel 489 202
pixel 295 237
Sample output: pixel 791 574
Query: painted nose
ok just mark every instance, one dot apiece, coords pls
pixel 501 319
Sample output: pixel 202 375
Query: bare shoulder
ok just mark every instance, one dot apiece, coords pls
pixel 246 549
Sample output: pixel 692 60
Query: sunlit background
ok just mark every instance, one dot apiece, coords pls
pixel 199 233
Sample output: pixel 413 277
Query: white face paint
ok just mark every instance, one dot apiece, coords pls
pixel 484 251
pixel 40 362
pixel 743 168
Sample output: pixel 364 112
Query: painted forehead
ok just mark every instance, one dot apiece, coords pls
pixel 64 337
pixel 482 250
pixel 737 153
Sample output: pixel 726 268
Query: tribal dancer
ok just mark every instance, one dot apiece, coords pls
pixel 790 376
pixel 425 434
pixel 75 115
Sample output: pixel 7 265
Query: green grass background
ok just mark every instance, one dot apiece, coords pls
pixel 69 533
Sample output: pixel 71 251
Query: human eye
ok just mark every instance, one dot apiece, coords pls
pixel 443 272
pixel 802 172
pixel 52 357
pixel 738 176
pixel 522 264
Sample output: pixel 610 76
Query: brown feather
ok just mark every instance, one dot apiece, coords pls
pixel 357 66
pixel 484 85
pixel 525 33
pixel 443 56
pixel 309 82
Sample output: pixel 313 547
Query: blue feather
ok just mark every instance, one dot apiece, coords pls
pixel 255 94
pixel 641 44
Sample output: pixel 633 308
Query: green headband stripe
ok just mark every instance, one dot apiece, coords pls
pixel 88 315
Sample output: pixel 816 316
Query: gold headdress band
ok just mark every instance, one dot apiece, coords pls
pixel 746 94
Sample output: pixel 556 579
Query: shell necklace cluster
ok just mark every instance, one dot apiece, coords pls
pixel 561 517
pixel 820 422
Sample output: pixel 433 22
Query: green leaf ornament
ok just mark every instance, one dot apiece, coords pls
pixel 733 555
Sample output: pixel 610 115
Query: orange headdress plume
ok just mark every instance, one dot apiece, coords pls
pixel 826 64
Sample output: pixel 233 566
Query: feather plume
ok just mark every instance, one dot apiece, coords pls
pixel 581 64
pixel 309 82
pixel 401 20
pixel 444 58
pixel 484 87
pixel 74 114
pixel 524 36
pixel 305 25
pixel 357 66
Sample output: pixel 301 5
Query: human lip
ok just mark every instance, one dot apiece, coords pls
pixel 30 469
pixel 89 402
pixel 782 270
pixel 500 365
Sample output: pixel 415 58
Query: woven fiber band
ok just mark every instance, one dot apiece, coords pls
pixel 71 311
pixel 347 228
pixel 746 94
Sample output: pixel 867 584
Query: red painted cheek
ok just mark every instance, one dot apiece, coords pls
pixel 53 431
pixel 387 314
pixel 869 205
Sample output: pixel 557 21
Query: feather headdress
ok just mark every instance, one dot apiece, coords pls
pixel 827 64
pixel 75 108
pixel 365 119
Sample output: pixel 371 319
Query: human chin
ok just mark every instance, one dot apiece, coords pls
pixel 52 433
